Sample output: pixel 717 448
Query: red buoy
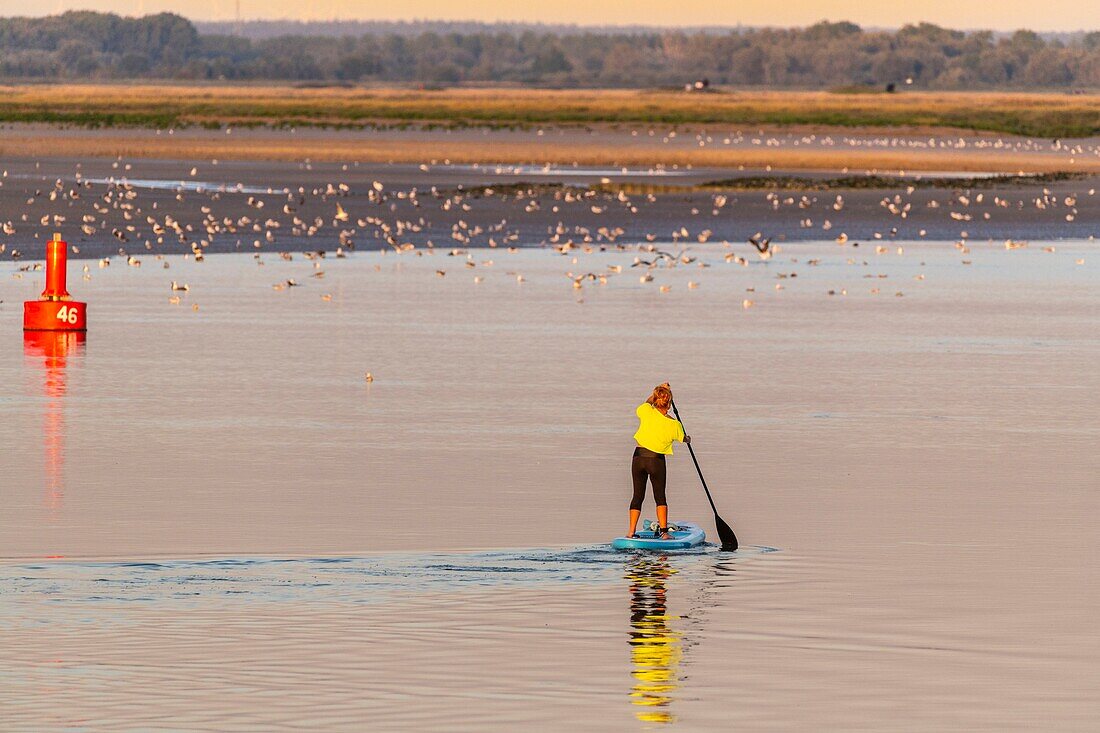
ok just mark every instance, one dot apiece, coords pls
pixel 55 310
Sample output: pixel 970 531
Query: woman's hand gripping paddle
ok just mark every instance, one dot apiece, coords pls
pixel 725 532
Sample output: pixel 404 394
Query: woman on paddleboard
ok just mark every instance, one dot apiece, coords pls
pixel 656 432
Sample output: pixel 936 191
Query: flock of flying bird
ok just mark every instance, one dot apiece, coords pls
pixel 149 220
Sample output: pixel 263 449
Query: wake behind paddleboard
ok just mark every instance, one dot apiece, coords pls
pixel 686 534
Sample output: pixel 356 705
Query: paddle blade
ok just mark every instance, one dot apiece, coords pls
pixel 725 534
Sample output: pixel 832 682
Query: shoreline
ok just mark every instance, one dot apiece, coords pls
pixel 852 152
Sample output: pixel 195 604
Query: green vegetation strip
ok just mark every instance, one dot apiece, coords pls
pixel 360 113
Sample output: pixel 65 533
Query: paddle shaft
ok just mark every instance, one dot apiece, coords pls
pixel 696 462
pixel 725 532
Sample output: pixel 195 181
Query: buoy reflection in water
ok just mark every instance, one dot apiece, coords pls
pixel 51 350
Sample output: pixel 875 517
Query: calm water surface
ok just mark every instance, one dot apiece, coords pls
pixel 212 521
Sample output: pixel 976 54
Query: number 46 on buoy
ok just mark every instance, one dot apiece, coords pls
pixel 68 315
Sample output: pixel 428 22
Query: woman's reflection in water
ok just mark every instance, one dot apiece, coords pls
pixel 655 647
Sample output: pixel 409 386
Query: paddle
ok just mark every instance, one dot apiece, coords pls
pixel 725 532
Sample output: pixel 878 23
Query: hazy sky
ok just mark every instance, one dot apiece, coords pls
pixel 998 15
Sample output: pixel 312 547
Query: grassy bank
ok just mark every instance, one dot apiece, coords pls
pixel 1040 115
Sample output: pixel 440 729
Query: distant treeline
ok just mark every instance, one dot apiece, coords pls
pixel 261 29
pixel 96 46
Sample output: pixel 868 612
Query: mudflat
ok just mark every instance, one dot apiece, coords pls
pixel 103 207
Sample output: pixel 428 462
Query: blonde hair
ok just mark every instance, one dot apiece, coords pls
pixel 661 397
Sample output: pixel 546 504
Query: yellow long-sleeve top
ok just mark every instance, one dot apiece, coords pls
pixel 656 431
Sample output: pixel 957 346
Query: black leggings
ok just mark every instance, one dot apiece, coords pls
pixel 647 465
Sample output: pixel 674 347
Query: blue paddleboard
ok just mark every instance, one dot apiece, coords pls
pixel 686 534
